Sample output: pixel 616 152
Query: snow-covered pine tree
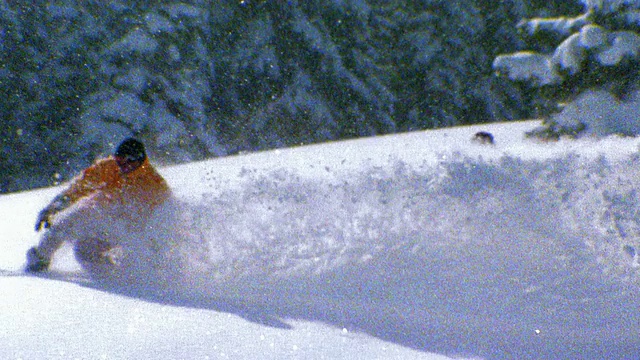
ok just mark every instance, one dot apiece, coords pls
pixel 593 73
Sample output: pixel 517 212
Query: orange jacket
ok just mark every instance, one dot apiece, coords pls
pixel 143 185
pixel 103 183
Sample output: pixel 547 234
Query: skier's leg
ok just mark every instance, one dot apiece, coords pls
pixel 63 230
pixel 99 258
pixel 39 257
pixel 97 251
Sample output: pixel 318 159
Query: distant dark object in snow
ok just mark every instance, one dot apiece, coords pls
pixel 483 137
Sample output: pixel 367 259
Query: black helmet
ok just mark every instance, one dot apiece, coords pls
pixel 131 150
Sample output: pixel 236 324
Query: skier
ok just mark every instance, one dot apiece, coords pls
pixel 124 186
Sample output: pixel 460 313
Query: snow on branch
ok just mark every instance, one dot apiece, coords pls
pixel 527 66
pixel 561 26
pixel 623 44
pixel 610 6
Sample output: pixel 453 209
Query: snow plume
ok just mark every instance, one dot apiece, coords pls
pixel 462 256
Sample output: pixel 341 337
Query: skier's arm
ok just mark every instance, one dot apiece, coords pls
pixel 59 203
pixel 91 180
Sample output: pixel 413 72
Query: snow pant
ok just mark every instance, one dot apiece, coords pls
pixel 93 231
pixel 159 251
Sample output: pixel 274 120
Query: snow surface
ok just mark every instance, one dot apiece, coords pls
pixel 394 247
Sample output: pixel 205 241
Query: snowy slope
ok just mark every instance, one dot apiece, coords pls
pixel 391 247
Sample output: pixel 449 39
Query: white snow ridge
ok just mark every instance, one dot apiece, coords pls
pixel 395 247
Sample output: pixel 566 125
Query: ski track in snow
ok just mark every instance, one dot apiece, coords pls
pixel 500 256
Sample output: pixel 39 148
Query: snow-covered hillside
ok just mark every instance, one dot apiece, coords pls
pixel 393 247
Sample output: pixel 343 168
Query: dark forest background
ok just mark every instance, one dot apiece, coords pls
pixel 201 79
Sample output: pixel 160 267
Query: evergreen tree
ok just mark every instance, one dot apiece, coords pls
pixel 586 66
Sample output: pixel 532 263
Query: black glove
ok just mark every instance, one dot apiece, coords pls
pixel 58 204
pixel 44 218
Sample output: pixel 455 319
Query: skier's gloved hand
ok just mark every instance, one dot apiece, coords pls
pixel 58 204
pixel 44 219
